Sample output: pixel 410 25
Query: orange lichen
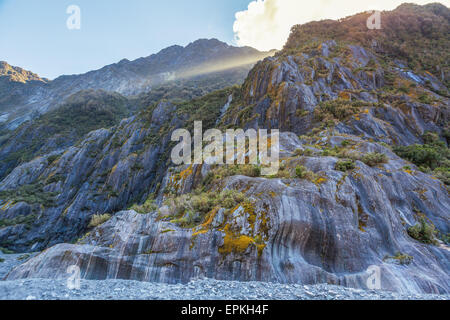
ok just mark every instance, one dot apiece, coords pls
pixel 195 234
pixel 235 243
pixel 320 180
pixel 345 95
pixel 186 173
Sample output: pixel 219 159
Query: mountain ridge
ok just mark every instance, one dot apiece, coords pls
pixel 125 77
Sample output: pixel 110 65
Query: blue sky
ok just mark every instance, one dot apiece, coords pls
pixel 33 34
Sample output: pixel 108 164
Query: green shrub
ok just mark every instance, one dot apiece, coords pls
pixel 148 206
pixel 26 220
pixel 2 260
pixel 345 165
pixel 433 154
pixel 403 259
pixel 374 158
pixel 301 172
pixel 425 99
pixel 282 173
pixel 345 143
pixel 6 251
pixel 53 158
pixel 347 153
pixel 224 171
pixel 423 232
pixel 339 109
pixel 445 238
pixel 431 138
pixel 31 194
pixel 98 219
pixel 306 153
pixel 23 257
pixel 190 209
pixel 443 174
pixel 420 155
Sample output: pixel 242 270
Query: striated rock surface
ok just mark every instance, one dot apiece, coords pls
pixel 52 198
pixel 293 231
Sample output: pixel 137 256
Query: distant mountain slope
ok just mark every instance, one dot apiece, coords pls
pixel 23 94
pixel 17 74
pixel 58 129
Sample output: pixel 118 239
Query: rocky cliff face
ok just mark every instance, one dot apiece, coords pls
pixel 52 198
pixel 343 200
pixel 289 230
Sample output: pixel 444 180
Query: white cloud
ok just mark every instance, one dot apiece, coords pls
pixel 266 24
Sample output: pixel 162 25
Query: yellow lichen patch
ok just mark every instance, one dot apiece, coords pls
pixel 362 217
pixel 269 143
pixel 6 205
pixel 114 169
pixel 203 228
pixel 260 248
pixel 320 180
pixel 356 175
pixel 210 217
pixel 408 171
pixel 65 212
pixel 195 234
pixel 345 95
pixel 421 193
pixel 186 173
pixel 235 243
pixel 249 207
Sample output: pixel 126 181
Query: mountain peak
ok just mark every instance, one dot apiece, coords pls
pixel 17 74
pixel 207 42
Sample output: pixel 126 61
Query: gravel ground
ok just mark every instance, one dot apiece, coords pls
pixel 204 289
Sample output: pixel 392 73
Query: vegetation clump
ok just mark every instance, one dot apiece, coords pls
pixel 148 206
pixel 190 210
pixel 6 251
pixel 401 258
pixel 31 194
pixel 339 109
pixel 374 158
pixel 432 157
pixel 423 232
pixel 345 165
pixel 25 220
pixel 98 219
